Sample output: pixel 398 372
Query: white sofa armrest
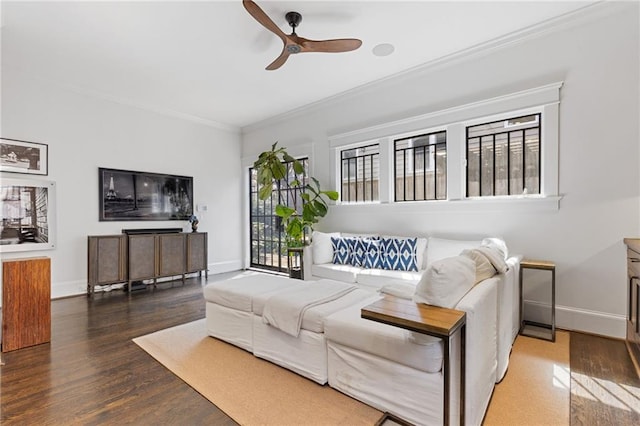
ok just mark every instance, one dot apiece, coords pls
pixel 480 304
pixel 307 261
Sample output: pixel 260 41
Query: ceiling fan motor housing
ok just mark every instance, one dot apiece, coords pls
pixel 294 19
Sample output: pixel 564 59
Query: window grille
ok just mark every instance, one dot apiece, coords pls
pixel 267 236
pixel 503 157
pixel 420 170
pixel 359 176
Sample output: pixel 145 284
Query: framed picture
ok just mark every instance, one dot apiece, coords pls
pixel 24 157
pixel 127 195
pixel 27 209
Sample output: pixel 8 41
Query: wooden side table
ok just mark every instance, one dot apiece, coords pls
pixel 26 302
pixel 429 320
pixel 536 329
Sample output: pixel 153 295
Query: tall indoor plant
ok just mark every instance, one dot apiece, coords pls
pixel 271 168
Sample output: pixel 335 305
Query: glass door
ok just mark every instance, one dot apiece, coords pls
pixel 268 240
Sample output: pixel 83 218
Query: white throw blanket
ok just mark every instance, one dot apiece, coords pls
pixel 285 310
pixel 495 256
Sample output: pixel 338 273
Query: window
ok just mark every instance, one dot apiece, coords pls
pixel 421 167
pixel 267 237
pixel 359 176
pixel 481 155
pixel 503 157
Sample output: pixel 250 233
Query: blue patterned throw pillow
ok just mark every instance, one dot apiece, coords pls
pixel 372 256
pixel 357 251
pixel 400 254
pixel 341 251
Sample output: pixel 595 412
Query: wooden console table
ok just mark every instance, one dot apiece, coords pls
pixel 432 321
pixel 26 302
pixel 148 255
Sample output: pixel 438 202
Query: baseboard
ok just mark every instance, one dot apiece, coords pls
pixel 78 287
pixel 68 288
pixel 227 266
pixel 577 319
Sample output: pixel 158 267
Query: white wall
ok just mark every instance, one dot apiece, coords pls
pixel 84 133
pixel 596 55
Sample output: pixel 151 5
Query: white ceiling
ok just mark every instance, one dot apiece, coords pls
pixel 205 59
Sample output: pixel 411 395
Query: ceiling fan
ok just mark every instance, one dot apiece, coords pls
pixel 292 42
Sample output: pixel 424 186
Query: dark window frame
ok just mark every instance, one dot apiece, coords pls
pixel 354 161
pixel 508 133
pixel 425 151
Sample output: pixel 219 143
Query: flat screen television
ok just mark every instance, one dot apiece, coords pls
pixel 127 195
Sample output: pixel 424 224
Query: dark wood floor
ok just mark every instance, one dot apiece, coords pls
pixel 605 388
pixel 92 373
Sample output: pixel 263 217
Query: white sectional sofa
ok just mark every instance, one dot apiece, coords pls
pixel 383 366
pixel 386 368
pixel 318 264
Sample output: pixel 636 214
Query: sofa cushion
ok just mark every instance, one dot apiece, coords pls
pixel 399 288
pixel 237 293
pixel 377 278
pixel 446 281
pixel 322 248
pixel 347 328
pixel 346 273
pixel 441 248
pixel 399 254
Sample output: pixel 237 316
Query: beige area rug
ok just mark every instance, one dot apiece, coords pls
pixel 250 390
pixel 536 388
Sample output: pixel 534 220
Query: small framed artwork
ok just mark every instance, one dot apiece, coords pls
pixel 129 195
pixel 27 215
pixel 24 157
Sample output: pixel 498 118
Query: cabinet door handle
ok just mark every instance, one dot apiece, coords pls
pixel 630 297
pixel 637 307
pixel 634 260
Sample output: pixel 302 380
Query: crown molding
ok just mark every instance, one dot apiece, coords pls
pixel 124 101
pixel 568 20
pixel 517 101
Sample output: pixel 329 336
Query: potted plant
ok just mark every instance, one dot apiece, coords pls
pixel 270 168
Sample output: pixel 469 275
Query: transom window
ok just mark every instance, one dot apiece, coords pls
pixel 421 167
pixel 503 157
pixel 360 174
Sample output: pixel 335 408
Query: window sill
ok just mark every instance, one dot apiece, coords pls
pixel 501 204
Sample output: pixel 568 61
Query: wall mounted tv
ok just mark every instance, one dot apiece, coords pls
pixel 127 195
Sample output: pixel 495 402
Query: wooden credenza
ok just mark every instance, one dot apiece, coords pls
pixel 633 301
pixel 126 258
pixel 26 302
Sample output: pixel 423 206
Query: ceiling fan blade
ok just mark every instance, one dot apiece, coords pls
pixel 259 15
pixel 280 60
pixel 331 46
